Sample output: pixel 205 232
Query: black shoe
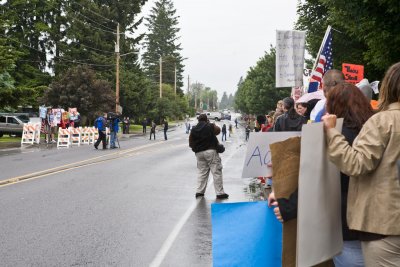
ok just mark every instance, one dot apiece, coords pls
pixel 95 146
pixel 223 196
pixel 199 195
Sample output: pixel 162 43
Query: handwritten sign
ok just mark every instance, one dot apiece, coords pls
pixel 353 73
pixel 258 153
pixel 289 58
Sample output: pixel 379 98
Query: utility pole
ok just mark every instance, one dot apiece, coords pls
pixel 160 76
pixel 117 72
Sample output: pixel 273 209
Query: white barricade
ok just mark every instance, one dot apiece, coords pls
pixel 30 133
pixel 64 138
pixel 94 135
pixel 76 136
pixel 86 136
pixel 108 136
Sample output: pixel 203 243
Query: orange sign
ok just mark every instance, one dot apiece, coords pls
pixel 353 73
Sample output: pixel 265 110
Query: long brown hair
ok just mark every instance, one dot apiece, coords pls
pixel 346 101
pixel 390 88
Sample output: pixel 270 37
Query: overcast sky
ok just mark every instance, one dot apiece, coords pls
pixel 222 39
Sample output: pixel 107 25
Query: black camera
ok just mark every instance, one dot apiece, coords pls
pixel 112 116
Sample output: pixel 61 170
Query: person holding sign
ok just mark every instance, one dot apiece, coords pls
pixel 345 101
pixel 373 206
pixel 331 78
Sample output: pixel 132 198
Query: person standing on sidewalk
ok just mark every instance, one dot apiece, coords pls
pixel 223 132
pixel 165 129
pixel 144 124
pixel 203 141
pixel 100 124
pixel 153 130
pixel 114 128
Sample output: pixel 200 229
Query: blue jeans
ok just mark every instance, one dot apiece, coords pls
pixel 113 136
pixel 351 255
pixel 223 135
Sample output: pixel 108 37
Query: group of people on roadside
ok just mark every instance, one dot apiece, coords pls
pixel 366 151
pixel 153 128
pixel 54 118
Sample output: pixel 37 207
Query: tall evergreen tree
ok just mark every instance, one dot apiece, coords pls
pixel 162 41
pixel 224 101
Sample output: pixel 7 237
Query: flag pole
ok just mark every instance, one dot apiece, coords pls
pixel 322 46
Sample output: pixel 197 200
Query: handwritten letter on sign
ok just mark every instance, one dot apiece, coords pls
pixel 258 154
pixel 353 73
pixel 289 58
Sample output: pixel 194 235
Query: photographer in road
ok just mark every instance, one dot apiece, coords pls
pixel 204 143
pixel 114 127
pixel 100 125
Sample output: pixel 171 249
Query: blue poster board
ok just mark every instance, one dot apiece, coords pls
pixel 245 234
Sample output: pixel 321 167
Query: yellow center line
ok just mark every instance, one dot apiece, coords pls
pixel 73 165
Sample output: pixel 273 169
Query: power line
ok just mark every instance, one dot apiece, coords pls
pixel 95 13
pixel 85 23
pixel 90 19
pixel 96 49
pixel 56 57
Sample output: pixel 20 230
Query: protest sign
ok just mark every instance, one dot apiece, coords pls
pixel 289 58
pixel 353 73
pixel 258 153
pixel 245 234
pixel 319 228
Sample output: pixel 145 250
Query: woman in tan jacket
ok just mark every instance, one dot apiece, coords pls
pixel 374 189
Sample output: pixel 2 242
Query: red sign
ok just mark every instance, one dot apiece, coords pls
pixel 353 73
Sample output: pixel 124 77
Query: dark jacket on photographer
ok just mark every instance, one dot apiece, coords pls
pixel 114 125
pixel 202 136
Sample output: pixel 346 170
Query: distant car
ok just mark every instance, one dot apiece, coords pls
pixel 12 124
pixel 227 116
pixel 214 116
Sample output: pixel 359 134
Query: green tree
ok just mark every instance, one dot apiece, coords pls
pixel 366 31
pixel 231 101
pixel 161 41
pixel 80 88
pixel 224 101
pixel 257 94
pixel 138 94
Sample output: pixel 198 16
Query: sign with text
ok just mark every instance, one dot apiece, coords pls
pixel 258 154
pixel 290 47
pixel 353 73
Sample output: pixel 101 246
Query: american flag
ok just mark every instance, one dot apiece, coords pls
pixel 325 60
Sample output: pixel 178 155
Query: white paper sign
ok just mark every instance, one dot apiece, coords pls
pixel 258 153
pixel 319 224
pixel 290 47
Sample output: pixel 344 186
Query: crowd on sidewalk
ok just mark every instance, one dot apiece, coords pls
pixel 366 152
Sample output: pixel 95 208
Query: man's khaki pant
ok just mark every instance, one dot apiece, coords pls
pixel 383 252
pixel 207 161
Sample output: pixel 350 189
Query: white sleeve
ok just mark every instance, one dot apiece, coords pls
pixel 318 107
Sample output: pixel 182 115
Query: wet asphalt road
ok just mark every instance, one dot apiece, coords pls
pixel 128 207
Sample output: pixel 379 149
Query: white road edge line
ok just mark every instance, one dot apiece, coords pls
pixel 166 246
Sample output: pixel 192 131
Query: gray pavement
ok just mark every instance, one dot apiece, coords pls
pixel 129 207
